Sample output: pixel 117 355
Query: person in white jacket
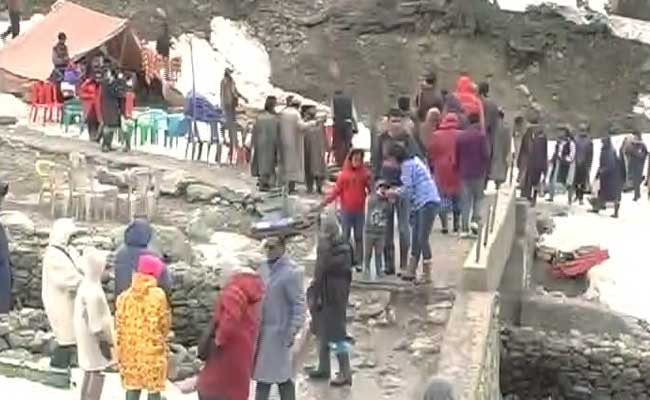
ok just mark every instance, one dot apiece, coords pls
pixel 93 325
pixel 61 278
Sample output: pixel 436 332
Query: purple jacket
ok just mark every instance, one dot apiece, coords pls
pixel 472 156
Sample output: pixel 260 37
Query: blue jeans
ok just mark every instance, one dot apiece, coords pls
pixel 422 225
pixel 472 197
pixel 401 208
pixel 353 222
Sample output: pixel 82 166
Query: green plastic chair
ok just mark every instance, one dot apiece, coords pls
pixel 72 111
pixel 148 125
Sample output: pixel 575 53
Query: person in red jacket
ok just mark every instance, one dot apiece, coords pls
pixel 89 93
pixel 227 371
pixel 467 94
pixel 442 159
pixel 352 187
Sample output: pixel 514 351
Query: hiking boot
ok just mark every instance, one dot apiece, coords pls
pixel 344 376
pixel 411 268
pixel 474 228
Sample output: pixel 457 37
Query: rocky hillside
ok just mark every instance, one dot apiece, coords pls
pixel 378 49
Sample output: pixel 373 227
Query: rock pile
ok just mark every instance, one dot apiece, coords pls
pixel 574 366
pixel 26 330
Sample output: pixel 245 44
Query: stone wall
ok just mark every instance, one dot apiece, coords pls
pixel 469 357
pixel 538 364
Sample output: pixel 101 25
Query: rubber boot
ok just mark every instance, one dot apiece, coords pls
pixel 445 223
pixel 344 376
pixel 426 272
pixel 358 254
pixel 324 371
pixel 411 268
pixel 617 207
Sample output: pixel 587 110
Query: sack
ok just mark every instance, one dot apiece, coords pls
pixel 206 343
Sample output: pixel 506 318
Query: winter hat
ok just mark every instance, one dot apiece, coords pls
pixel 150 265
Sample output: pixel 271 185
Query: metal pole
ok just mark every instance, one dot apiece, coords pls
pixel 494 210
pixel 478 245
pixel 487 226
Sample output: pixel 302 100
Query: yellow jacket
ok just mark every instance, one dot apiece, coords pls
pixel 142 323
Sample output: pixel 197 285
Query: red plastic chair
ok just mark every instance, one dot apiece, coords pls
pixel 54 103
pixel 129 104
pixel 41 99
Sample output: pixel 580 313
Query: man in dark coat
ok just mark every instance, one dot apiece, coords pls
pixel 328 301
pixel 611 174
pixel 427 97
pixel 637 154
pixel 383 169
pixel 5 265
pixel 584 158
pixel 533 157
pixel 112 100
pixel 266 144
pixel 13 6
pixel 345 125
pixel 490 112
pixel 315 147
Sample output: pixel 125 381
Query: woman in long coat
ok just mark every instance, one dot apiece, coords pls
pixel 328 302
pixel 266 142
pixel 229 367
pixel 292 138
pixel 637 154
pixel 142 324
pixel 62 275
pixel 611 174
pixel 283 316
pixel 315 147
pixel 533 158
pixel 93 325
pixel 501 151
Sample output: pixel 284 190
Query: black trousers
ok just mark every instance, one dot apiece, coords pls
pixel 287 390
pixel 14 27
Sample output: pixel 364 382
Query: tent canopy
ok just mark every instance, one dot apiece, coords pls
pixel 29 56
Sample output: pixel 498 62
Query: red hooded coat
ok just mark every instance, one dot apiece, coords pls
pixel 468 98
pixel 442 155
pixel 227 372
pixel 351 187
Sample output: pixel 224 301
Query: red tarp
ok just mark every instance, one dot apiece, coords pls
pixel 29 56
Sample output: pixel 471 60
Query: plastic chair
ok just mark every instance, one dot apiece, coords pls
pixel 37 100
pixel 59 189
pixel 150 123
pixel 43 170
pixel 177 126
pixel 72 111
pixel 52 102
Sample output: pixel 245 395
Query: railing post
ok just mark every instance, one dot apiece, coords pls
pixel 494 211
pixel 487 226
pixel 478 245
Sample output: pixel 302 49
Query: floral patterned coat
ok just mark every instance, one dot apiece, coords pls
pixel 143 321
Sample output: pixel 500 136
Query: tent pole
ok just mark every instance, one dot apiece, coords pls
pixel 124 39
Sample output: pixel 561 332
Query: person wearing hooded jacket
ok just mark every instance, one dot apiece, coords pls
pixel 137 239
pixel 328 301
pixel 93 325
pixel 236 319
pixel 142 324
pixel 467 96
pixel 62 275
pixel 351 189
pixel 442 159
pixel 439 389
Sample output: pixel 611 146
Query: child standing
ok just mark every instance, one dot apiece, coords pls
pixel 379 208
pixel 352 187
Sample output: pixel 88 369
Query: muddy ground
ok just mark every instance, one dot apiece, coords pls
pixel 382 47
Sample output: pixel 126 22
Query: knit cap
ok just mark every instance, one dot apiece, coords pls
pixel 150 265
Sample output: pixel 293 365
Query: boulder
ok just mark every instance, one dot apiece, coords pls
pixel 197 192
pixel 107 176
pixel 175 183
pixel 202 222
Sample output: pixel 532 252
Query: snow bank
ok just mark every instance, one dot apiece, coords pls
pixel 621 281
